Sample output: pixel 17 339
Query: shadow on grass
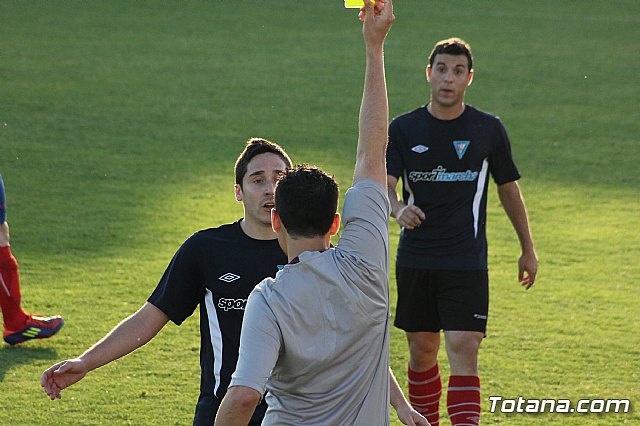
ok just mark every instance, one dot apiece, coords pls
pixel 12 356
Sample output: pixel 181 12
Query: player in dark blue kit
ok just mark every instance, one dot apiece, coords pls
pixel 444 153
pixel 215 268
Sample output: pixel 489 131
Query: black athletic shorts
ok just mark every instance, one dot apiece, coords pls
pixel 432 300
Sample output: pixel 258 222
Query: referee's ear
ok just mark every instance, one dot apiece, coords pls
pixel 335 225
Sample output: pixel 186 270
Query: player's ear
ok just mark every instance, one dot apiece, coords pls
pixel 335 225
pixel 429 73
pixel 470 78
pixel 276 224
pixel 238 191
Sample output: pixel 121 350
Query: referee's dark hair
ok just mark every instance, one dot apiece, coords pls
pixel 452 46
pixel 306 200
pixel 257 146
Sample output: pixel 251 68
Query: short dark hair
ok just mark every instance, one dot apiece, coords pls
pixel 452 46
pixel 257 146
pixel 306 200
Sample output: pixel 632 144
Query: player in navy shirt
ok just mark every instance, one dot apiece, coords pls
pixel 215 268
pixel 444 153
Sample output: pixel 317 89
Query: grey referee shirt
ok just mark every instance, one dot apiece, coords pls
pixel 317 336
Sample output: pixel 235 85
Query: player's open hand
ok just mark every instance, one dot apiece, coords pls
pixel 527 269
pixel 61 376
pixel 377 20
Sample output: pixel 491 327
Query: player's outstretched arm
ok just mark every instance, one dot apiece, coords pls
pixel 513 204
pixel 130 334
pixel 374 109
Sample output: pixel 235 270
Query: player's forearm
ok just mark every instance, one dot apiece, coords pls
pixel 132 333
pixel 237 407
pixel 231 415
pixel 395 393
pixel 396 204
pixel 373 120
pixel 374 109
pixel 513 204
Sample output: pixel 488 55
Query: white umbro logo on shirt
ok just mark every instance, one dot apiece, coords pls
pixel 420 149
pixel 228 277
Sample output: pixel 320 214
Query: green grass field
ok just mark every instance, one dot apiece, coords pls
pixel 120 122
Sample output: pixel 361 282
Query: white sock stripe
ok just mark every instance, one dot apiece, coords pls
pixel 4 286
pixel 463 403
pixel 463 412
pixel 433 379
pixel 463 388
pixel 424 405
pixel 425 396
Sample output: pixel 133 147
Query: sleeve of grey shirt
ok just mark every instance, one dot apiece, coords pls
pixel 260 342
pixel 365 216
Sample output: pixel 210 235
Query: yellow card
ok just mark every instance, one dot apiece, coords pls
pixel 354 4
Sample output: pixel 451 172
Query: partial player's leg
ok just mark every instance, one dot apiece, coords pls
pixel 14 317
pixel 464 304
pixel 3 208
pixel 463 392
pixel 416 313
pixel 18 326
pixel 425 384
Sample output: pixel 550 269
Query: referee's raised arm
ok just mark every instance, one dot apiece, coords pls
pixel 374 109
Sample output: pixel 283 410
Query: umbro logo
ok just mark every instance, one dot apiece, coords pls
pixel 480 317
pixel 420 149
pixel 229 277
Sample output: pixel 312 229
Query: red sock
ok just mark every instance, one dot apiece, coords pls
pixel 425 388
pixel 463 400
pixel 14 317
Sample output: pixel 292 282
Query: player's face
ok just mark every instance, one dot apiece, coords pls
pixel 258 188
pixel 449 77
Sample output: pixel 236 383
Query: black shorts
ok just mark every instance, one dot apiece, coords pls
pixel 432 300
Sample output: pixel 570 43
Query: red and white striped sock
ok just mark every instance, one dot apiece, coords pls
pixel 425 388
pixel 463 400
pixel 14 316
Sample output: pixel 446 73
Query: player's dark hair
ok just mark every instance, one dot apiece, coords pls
pixel 257 146
pixel 452 46
pixel 306 200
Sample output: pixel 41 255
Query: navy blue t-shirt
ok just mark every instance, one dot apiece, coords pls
pixel 444 165
pixel 216 268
